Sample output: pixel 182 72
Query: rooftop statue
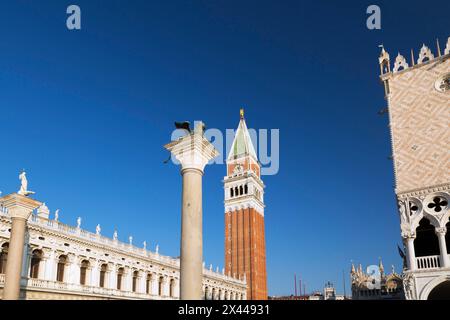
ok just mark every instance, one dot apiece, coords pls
pixel 24 185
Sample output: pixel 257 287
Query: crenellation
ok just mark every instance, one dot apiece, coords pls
pixel 400 64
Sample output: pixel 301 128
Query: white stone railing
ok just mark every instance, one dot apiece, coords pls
pixel 222 276
pixel 102 240
pixel 126 247
pixel 44 285
pixel 428 262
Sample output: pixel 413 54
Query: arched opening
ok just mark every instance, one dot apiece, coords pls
pixel 213 296
pixel 62 261
pixel 440 292
pixel 206 293
pixel 241 190
pixel 135 278
pixel 246 189
pixel 36 259
pixel 447 237
pixel 83 271
pixel 236 191
pixel 160 286
pixel 172 288
pixel 120 273
pixel 148 282
pixel 426 242
pixel 3 257
pixel 231 193
pixel 103 270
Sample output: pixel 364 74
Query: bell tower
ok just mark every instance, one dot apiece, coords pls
pixel 245 248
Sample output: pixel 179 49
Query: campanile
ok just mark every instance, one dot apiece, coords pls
pixel 245 248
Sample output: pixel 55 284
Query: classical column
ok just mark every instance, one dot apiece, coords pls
pixel 154 282
pixel 440 232
pixel 94 274
pixel 50 266
pixel 176 289
pixel 410 252
pixel 193 151
pixel 20 208
pixel 165 287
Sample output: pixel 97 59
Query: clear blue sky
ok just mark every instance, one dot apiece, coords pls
pixel 87 113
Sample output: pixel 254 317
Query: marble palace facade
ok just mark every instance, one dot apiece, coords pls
pixel 418 96
pixel 67 262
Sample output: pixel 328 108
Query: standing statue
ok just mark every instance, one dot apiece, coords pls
pixel 56 215
pixel 157 248
pixel 115 235
pixel 144 245
pixel 24 185
pixel 79 222
pixel 130 239
pixel 98 229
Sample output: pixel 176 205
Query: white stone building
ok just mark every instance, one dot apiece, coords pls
pixel 418 96
pixel 67 262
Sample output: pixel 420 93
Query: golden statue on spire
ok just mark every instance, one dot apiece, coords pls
pixel 242 113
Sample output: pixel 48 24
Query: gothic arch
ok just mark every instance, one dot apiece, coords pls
pixel 426 242
pixel 425 215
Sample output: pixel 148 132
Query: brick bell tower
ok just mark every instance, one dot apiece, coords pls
pixel 245 248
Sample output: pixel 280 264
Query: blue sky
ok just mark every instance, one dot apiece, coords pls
pixel 87 113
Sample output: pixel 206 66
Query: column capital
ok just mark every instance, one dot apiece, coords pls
pixel 440 230
pixel 408 235
pixel 193 151
pixel 19 206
